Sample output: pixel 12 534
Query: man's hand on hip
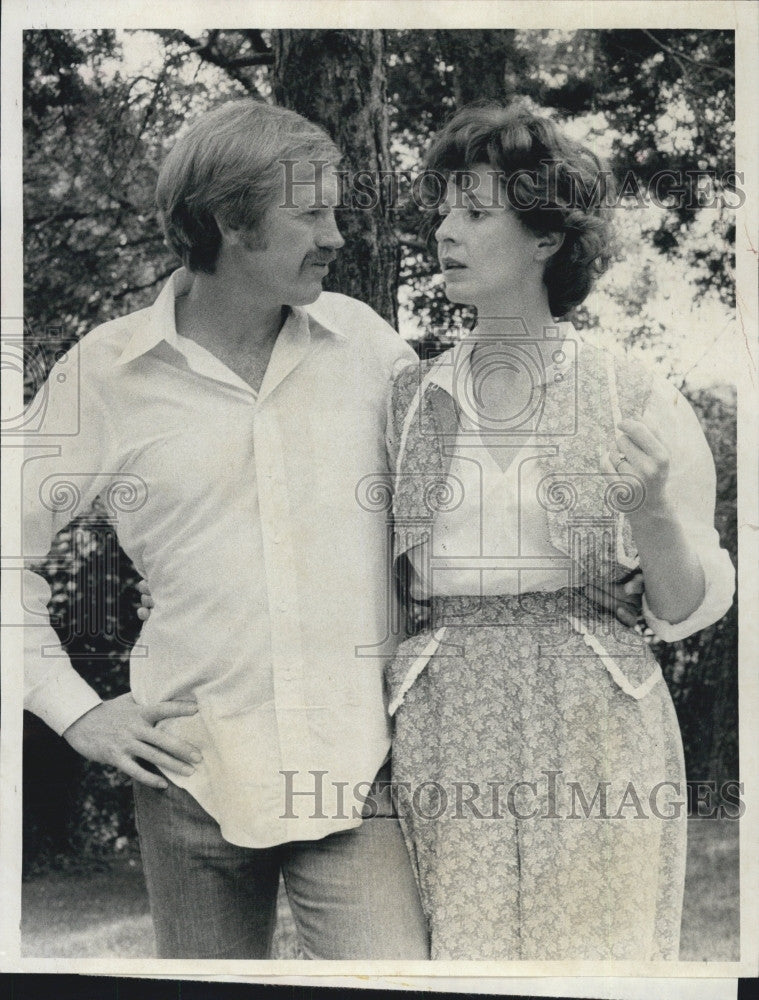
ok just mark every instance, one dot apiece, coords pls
pixel 624 598
pixel 120 732
pixel 146 601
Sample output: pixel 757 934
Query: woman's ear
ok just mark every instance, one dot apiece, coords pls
pixel 547 245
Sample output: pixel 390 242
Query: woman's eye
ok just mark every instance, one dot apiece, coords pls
pixel 475 213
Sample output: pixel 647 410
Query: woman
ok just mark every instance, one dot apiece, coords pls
pixel 537 757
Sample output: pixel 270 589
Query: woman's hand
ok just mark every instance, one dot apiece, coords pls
pixel 641 453
pixel 146 601
pixel 675 582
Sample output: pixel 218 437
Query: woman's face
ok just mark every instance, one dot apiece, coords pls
pixel 485 253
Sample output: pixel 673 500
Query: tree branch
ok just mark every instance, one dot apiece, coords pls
pixel 231 67
pixel 122 293
pixel 256 39
pixel 411 242
pixel 69 216
pixel 259 59
pixel 680 57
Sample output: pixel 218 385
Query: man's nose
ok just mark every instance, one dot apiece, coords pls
pixel 329 235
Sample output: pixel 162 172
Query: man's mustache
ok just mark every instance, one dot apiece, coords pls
pixel 323 259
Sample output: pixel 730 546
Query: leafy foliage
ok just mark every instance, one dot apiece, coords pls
pixel 93 140
pixel 96 131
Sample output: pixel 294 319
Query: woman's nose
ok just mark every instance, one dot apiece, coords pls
pixel 445 230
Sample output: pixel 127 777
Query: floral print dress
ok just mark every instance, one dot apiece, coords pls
pixel 537 759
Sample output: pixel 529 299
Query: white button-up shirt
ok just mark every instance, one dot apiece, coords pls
pixel 266 550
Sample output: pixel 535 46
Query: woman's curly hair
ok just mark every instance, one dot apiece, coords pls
pixel 553 182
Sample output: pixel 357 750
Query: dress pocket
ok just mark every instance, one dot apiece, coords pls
pixel 631 665
pixel 411 658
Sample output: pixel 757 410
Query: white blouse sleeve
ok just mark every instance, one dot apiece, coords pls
pixel 691 489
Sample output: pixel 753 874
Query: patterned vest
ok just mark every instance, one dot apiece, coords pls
pixel 585 508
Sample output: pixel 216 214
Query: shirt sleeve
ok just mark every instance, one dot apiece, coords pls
pixel 691 489
pixel 61 476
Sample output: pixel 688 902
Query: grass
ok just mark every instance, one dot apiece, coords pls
pixel 105 913
pixel 75 915
pixel 711 908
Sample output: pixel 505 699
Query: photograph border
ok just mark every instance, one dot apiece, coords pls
pixel 743 17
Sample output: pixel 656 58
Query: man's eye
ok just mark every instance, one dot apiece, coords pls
pixel 475 213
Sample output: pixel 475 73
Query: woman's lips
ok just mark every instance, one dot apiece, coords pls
pixel 452 270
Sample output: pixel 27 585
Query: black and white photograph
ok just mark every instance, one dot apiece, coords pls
pixel 374 517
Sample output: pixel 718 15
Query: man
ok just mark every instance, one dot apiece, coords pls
pixel 242 422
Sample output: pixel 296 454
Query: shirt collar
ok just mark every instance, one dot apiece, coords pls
pixel 320 317
pixel 160 325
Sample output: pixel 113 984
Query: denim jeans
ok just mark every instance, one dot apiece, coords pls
pixel 352 893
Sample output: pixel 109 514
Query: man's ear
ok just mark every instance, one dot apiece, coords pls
pixel 547 245
pixel 232 237
pixel 250 239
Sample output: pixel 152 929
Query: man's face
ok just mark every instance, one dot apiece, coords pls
pixel 289 253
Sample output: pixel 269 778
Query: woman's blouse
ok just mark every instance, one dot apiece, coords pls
pixel 496 541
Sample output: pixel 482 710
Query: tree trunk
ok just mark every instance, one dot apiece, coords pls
pixel 337 78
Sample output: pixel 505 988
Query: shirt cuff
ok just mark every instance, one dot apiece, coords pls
pixel 62 700
pixel 719 577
